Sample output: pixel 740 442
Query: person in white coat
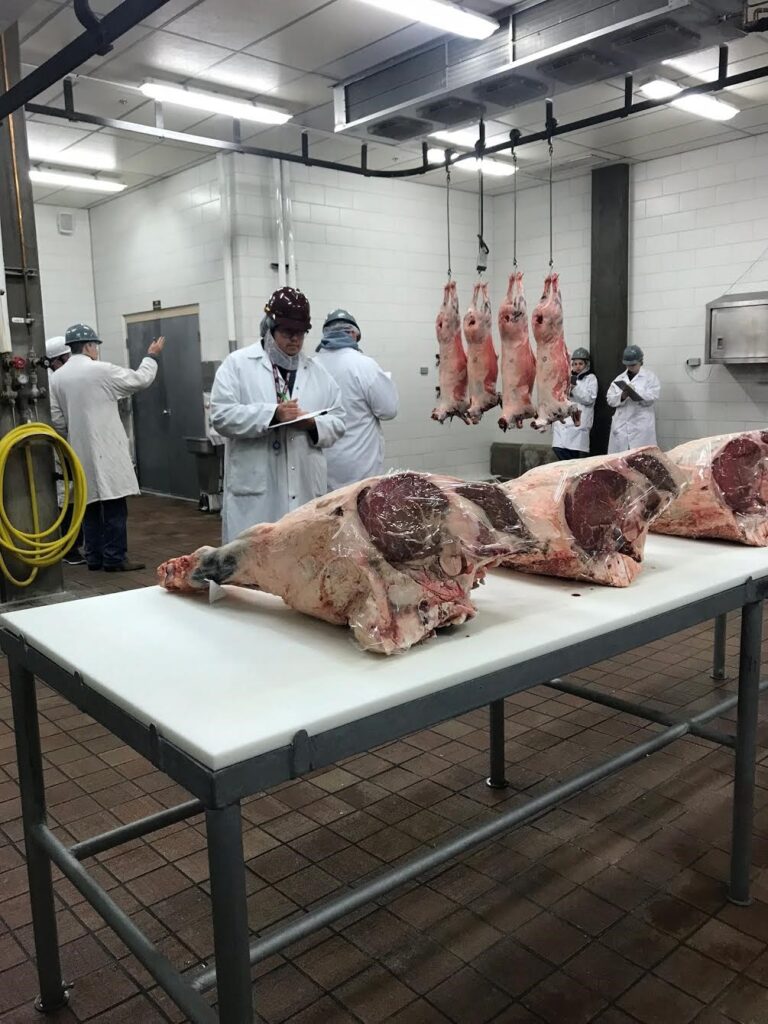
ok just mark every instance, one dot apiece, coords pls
pixel 633 394
pixel 568 440
pixel 84 397
pixel 57 354
pixel 261 399
pixel 368 395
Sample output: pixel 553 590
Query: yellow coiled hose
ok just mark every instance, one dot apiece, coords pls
pixel 40 548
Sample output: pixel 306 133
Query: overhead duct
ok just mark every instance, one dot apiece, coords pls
pixel 540 49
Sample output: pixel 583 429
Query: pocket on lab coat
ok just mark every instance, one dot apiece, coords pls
pixel 246 467
pixel 318 472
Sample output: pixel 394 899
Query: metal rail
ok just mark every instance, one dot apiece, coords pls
pixel 95 40
pixel 135 829
pixel 550 130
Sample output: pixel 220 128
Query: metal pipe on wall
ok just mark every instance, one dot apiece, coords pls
pixel 227 197
pixel 277 201
pixel 288 220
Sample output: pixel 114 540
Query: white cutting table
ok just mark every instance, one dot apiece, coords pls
pixel 231 697
pixel 240 677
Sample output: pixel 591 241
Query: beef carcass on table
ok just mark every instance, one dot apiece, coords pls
pixel 392 557
pixel 589 518
pixel 518 363
pixel 553 367
pixel 727 497
pixel 482 361
pixel 451 360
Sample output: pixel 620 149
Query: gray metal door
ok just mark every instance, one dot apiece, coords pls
pixel 172 408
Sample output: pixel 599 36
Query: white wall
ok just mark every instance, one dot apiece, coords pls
pixel 699 220
pixel 572 204
pixel 66 270
pixel 162 242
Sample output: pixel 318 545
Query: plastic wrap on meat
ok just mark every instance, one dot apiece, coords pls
pixel 451 359
pixel 482 362
pixel 728 494
pixel 518 363
pixel 553 367
pixel 392 557
pixel 589 518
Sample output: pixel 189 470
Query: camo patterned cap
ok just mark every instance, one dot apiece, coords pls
pixel 81 333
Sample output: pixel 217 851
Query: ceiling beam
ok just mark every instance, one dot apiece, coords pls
pixel 91 42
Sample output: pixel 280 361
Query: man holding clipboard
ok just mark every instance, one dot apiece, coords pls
pixel 633 395
pixel 278 409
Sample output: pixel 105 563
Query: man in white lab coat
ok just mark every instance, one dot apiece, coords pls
pixel 633 395
pixel 568 440
pixel 278 410
pixel 368 395
pixel 84 397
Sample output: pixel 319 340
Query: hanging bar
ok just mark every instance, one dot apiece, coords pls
pixel 364 158
pixel 629 88
pixel 722 70
pixel 305 146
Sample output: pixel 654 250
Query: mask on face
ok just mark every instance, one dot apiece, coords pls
pixel 277 356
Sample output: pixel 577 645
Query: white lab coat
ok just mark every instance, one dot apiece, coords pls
pixel 568 435
pixel 634 423
pixel 268 472
pixel 369 396
pixel 84 397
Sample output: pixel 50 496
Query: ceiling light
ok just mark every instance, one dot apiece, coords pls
pixel 83 181
pixel 660 89
pixel 213 103
pixel 442 15
pixel 493 168
pixel 706 106
pixel 73 158
pixel 462 136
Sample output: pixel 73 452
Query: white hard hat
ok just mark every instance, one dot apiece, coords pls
pixel 57 347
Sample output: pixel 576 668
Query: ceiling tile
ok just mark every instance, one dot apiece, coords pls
pixel 381 50
pixel 34 15
pixel 164 54
pixel 250 75
pixel 235 24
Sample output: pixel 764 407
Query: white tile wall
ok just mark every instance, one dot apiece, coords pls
pixel 699 223
pixel 66 270
pixel 162 242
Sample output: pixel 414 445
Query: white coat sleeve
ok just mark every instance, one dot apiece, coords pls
pixel 382 396
pixel 584 391
pixel 331 426
pixel 648 387
pixel 57 413
pixel 229 415
pixel 123 382
pixel 613 396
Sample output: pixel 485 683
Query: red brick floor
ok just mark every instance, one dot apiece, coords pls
pixel 610 909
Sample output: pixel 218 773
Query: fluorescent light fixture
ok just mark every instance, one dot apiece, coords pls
pixel 462 136
pixel 86 159
pixel 442 15
pixel 706 106
pixel 81 181
pixel 701 104
pixel 213 103
pixel 660 89
pixel 493 168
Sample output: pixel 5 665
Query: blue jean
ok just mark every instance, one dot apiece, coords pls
pixel 105 531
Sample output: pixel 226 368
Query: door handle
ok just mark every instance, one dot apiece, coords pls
pixel 166 412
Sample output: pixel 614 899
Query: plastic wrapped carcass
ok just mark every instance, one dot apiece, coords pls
pixel 392 557
pixel 589 517
pixel 728 494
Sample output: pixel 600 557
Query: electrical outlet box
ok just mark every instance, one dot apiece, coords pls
pixel 695 361
pixel 423 370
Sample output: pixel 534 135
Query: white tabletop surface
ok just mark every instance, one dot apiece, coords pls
pixel 239 677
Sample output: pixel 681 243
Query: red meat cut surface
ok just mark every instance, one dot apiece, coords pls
pixel 589 518
pixel 728 494
pixel 393 557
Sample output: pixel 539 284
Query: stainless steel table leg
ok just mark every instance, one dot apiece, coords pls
pixel 53 992
pixel 230 915
pixel 496 779
pixel 746 752
pixel 718 657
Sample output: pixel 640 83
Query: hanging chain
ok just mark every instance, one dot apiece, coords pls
pixel 514 213
pixel 448 211
pixel 482 248
pixel 551 216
